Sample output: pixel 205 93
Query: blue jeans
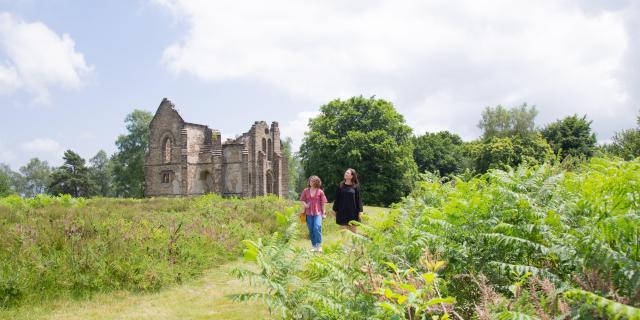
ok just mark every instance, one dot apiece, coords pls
pixel 314 224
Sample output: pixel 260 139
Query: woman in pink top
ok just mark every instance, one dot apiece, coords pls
pixel 313 200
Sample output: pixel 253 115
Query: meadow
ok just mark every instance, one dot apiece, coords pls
pixel 63 247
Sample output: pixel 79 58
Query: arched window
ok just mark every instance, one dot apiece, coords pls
pixel 264 145
pixel 166 150
pixel 269 179
pixel 269 149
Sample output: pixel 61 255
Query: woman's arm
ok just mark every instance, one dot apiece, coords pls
pixel 358 200
pixel 303 199
pixel 336 200
pixel 323 201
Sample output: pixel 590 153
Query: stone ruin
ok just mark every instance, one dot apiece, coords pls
pixel 190 159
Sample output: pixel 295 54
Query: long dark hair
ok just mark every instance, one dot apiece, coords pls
pixel 354 178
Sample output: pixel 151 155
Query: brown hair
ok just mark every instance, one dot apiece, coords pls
pixel 316 178
pixel 354 178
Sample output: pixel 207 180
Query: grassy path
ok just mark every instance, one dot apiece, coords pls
pixel 202 298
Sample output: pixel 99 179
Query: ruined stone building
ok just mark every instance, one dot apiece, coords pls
pixel 190 159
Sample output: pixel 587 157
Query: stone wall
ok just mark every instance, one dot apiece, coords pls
pixel 189 159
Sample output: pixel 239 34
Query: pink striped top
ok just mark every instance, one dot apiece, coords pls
pixel 316 202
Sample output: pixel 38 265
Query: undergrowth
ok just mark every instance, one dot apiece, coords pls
pixel 527 243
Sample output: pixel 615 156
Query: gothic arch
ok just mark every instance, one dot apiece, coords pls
pixel 269 179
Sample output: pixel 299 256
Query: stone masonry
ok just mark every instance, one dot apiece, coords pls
pixel 190 159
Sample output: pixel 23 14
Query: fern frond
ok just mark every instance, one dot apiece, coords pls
pixel 610 308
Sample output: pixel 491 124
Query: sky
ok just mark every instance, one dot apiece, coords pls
pixel 70 71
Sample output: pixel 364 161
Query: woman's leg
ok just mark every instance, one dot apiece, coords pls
pixel 317 230
pixel 310 228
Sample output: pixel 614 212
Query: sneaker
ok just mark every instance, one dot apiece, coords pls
pixel 319 248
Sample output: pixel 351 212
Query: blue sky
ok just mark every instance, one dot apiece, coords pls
pixel 70 71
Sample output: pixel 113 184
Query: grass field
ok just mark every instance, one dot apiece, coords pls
pixel 201 298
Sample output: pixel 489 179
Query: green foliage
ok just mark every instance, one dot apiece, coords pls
pixel 502 153
pixel 366 134
pixel 295 171
pixel 100 174
pixel 10 181
pixel 127 164
pixel 605 307
pixel 5 184
pixel 440 152
pixel 499 122
pixel 571 136
pixel 626 143
pixel 72 177
pixel 534 242
pixel 56 247
pixel 36 177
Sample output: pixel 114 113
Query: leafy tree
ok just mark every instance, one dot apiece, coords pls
pixel 127 164
pixel 500 153
pixel 500 122
pixel 9 180
pixel 5 184
pixel 626 143
pixel 366 134
pixel 295 171
pixel 100 174
pixel 35 175
pixel 571 136
pixel 72 177
pixel 442 152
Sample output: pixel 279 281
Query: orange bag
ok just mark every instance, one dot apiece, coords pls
pixel 303 217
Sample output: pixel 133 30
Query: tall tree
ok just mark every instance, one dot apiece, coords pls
pixel 72 177
pixel 441 152
pixel 571 136
pixel 10 181
pixel 36 177
pixel 127 164
pixel 500 123
pixel 294 168
pixel 626 143
pixel 366 134
pixel 100 174
pixel 5 184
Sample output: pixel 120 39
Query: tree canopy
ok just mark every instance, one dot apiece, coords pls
pixel 626 143
pixel 571 136
pixel 72 177
pixel 366 134
pixel 127 163
pixel 500 123
pixel 441 152
pixel 35 177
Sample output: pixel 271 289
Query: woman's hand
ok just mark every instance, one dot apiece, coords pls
pixel 324 216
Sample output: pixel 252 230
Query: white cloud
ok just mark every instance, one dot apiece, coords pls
pixel 441 62
pixel 296 128
pixel 43 145
pixel 37 59
pixel 6 155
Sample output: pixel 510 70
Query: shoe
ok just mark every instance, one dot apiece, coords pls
pixel 319 249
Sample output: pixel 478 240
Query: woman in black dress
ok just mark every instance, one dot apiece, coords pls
pixel 347 205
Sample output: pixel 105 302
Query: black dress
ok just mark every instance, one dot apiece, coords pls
pixel 347 204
